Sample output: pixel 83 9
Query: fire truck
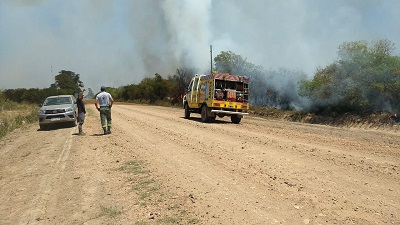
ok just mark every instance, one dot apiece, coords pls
pixel 217 95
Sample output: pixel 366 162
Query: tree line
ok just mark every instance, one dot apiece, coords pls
pixel 364 78
pixel 66 83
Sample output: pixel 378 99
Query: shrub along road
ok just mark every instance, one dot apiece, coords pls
pixel 158 168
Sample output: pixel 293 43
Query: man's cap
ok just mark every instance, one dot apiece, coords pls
pixel 103 88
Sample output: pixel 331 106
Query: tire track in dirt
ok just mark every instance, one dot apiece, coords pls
pixel 43 201
pixel 34 179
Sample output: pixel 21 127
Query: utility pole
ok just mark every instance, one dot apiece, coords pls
pixel 52 76
pixel 211 60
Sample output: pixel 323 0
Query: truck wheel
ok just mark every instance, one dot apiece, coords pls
pixel 43 127
pixel 235 119
pixel 187 112
pixel 204 114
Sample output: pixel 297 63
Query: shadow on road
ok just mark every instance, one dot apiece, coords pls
pixel 216 121
pixel 51 127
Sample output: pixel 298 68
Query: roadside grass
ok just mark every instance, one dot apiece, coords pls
pixel 14 115
pixel 162 207
pixel 134 167
pixel 109 212
pixel 376 120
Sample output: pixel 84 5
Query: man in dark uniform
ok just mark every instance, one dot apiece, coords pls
pixel 81 111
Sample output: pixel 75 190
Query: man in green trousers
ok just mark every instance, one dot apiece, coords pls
pixel 103 104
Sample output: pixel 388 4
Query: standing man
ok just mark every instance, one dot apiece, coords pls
pixel 81 111
pixel 104 102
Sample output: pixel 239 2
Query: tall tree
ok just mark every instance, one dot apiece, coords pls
pixel 68 81
pixel 229 62
pixel 90 93
pixel 179 82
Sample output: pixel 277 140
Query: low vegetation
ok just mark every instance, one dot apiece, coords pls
pixel 151 197
pixel 109 212
pixel 376 120
pixel 14 115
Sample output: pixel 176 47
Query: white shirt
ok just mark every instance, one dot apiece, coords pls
pixel 104 98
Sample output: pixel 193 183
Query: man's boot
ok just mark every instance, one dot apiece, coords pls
pixel 105 131
pixel 108 130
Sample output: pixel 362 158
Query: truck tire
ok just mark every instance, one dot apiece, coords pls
pixel 204 114
pixel 187 112
pixel 235 119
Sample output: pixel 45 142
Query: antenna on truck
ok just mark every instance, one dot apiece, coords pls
pixel 211 60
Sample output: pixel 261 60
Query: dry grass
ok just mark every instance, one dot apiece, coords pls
pixel 377 120
pixel 14 115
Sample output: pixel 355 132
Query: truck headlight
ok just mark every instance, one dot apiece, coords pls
pixel 69 109
pixel 41 111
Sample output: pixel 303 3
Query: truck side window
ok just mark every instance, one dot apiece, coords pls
pixel 218 84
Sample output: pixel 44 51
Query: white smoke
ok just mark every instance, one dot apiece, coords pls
pixel 188 28
pixel 116 43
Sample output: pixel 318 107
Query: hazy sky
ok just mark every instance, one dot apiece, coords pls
pixel 119 42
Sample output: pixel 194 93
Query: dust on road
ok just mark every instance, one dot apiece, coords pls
pixel 158 168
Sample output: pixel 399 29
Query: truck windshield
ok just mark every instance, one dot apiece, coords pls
pixel 57 101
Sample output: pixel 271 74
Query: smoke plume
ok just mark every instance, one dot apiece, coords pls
pixel 116 43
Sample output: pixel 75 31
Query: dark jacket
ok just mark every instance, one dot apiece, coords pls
pixel 81 106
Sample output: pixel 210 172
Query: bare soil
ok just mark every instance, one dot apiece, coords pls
pixel 159 168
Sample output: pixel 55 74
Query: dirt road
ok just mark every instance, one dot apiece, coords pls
pixel 158 168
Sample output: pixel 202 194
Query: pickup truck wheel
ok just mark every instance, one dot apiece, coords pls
pixel 187 112
pixel 204 114
pixel 43 127
pixel 235 119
